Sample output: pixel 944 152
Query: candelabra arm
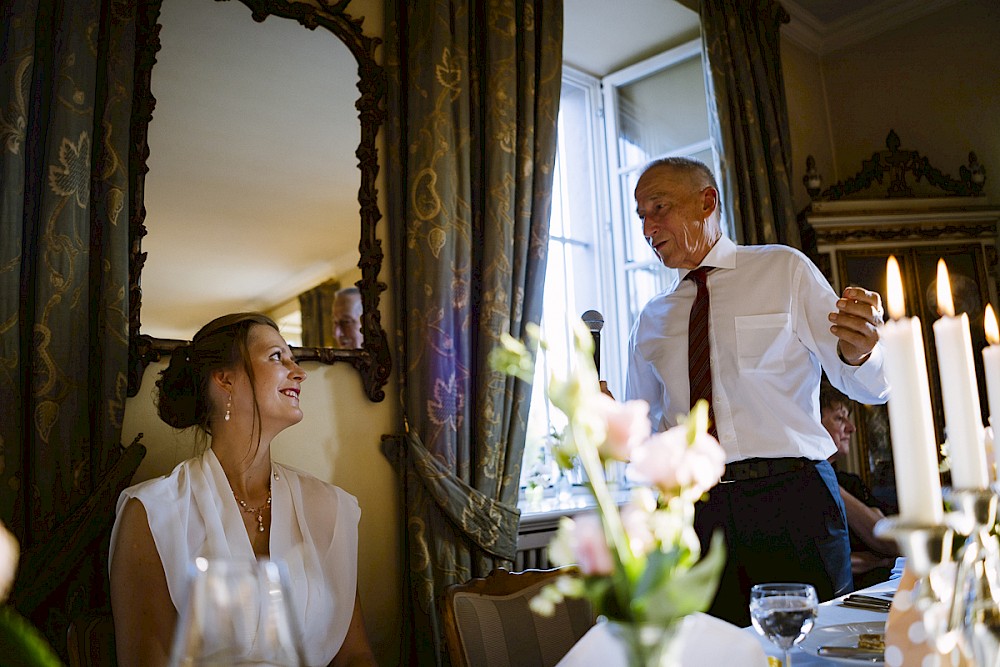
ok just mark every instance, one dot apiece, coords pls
pixel 928 552
pixel 975 610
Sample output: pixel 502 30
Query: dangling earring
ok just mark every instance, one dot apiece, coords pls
pixel 229 404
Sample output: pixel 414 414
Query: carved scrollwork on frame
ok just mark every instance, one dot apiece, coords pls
pixel 373 360
pixel 839 236
pixel 895 164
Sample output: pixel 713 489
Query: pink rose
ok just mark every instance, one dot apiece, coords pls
pixel 627 425
pixel 591 546
pixel 10 551
pixel 667 461
pixel 636 520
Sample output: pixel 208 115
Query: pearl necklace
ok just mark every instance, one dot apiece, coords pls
pixel 259 511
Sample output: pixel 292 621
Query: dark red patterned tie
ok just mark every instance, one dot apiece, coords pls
pixel 699 354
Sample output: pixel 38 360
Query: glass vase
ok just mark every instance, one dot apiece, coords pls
pixel 648 644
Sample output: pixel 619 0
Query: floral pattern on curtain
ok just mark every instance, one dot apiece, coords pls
pixel 316 306
pixel 472 105
pixel 65 103
pixel 748 117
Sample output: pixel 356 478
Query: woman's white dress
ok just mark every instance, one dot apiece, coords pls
pixel 314 530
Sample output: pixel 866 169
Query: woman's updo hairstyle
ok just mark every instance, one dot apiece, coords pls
pixel 182 389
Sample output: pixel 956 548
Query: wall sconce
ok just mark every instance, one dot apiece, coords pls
pixel 812 180
pixel 977 172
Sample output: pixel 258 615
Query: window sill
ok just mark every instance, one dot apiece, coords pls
pixel 554 505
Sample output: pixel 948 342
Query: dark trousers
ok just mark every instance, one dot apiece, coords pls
pixel 785 528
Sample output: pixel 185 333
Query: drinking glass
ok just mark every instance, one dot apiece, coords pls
pixel 784 613
pixel 237 613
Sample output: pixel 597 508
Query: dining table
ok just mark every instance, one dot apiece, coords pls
pixel 833 615
pixel 710 642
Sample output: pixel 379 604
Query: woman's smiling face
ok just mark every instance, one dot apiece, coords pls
pixel 277 380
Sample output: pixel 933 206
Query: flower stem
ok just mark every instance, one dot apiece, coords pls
pixel 608 510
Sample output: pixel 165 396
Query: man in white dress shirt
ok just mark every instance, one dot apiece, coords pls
pixel 774 325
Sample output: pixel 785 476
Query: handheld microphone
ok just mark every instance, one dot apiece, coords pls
pixel 595 322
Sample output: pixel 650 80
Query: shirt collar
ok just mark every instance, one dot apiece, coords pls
pixel 721 256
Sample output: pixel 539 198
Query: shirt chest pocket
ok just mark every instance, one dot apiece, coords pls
pixel 761 342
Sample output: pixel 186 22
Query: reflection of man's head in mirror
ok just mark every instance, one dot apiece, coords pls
pixel 347 318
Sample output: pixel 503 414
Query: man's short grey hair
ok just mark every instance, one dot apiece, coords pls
pixel 348 291
pixel 695 168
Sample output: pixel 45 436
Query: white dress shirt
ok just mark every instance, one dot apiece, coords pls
pixel 769 337
pixel 314 530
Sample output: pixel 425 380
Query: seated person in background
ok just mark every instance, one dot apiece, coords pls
pixel 239 384
pixel 872 558
pixel 347 309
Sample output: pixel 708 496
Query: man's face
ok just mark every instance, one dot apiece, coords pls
pixel 837 420
pixel 347 321
pixel 674 212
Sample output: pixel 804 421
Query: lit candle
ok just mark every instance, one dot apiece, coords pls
pixel 914 448
pixel 991 364
pixel 959 391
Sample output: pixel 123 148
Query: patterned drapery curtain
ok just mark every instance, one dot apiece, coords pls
pixel 316 306
pixel 748 117
pixel 473 97
pixel 65 103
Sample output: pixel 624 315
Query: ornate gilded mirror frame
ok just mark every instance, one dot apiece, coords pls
pixel 372 360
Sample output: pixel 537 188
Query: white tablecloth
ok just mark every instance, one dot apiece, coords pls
pixel 710 642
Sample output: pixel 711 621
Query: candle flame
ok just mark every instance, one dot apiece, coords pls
pixel 894 293
pixel 990 322
pixel 946 306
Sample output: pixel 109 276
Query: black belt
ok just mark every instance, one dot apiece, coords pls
pixel 739 471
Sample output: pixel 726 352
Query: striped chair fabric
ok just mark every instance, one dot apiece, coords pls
pixel 493 625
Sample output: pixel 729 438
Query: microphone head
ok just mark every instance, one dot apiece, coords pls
pixel 594 321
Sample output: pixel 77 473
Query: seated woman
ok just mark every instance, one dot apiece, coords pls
pixel 239 384
pixel 872 557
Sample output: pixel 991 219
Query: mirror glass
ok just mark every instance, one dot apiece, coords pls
pixel 253 165
pixel 251 195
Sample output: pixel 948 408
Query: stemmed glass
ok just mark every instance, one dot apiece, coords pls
pixel 784 613
pixel 237 613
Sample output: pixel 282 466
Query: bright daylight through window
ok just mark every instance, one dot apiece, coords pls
pixel 598 259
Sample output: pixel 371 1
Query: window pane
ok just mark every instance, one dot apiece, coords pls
pixel 662 112
pixel 572 276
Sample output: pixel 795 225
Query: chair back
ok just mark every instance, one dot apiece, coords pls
pixel 90 641
pixel 488 622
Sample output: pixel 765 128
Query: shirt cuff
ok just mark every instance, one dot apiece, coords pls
pixel 871 372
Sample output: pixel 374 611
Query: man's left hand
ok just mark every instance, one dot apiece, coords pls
pixel 856 324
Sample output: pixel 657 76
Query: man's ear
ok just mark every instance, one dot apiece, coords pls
pixel 710 200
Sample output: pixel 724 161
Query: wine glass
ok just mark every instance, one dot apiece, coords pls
pixel 784 613
pixel 237 613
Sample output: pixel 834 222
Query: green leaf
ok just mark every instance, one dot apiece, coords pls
pixel 659 567
pixel 512 358
pixel 687 591
pixel 22 644
pixel 697 420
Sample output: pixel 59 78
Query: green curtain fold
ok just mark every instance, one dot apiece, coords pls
pixel 473 96
pixel 65 102
pixel 748 118
pixel 489 524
